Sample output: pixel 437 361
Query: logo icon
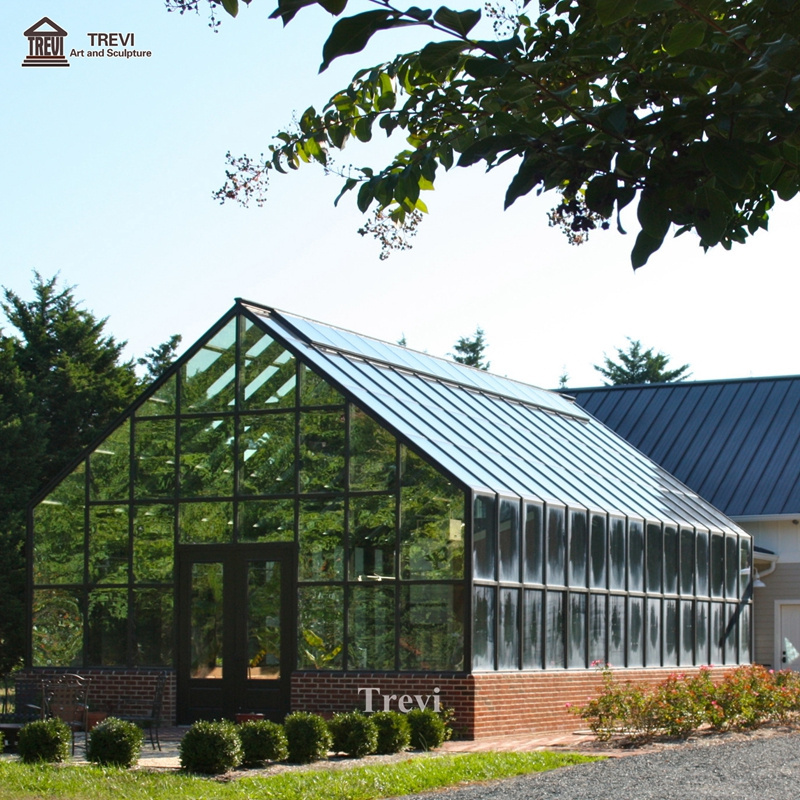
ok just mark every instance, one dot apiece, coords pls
pixel 45 45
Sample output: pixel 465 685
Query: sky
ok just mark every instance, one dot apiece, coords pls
pixel 109 167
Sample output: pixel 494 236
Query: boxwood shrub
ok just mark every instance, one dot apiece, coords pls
pixel 211 748
pixel 427 729
pixel 115 742
pixel 262 741
pixel 44 740
pixel 394 733
pixel 307 737
pixel 353 733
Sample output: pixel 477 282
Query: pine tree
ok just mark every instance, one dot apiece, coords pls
pixel 640 366
pixel 470 350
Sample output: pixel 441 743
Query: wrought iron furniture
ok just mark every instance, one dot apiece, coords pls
pixel 151 718
pixel 67 698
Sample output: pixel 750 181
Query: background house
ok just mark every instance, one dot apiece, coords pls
pixel 298 517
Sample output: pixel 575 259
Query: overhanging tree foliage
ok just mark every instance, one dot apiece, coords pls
pixel 472 350
pixel 688 107
pixel 640 366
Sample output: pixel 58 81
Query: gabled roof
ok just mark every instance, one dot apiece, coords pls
pixel 735 442
pixel 490 433
pixel 45 27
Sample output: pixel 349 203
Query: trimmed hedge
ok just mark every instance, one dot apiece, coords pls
pixel 115 742
pixel 353 733
pixel 44 740
pixel 428 730
pixel 307 736
pixel 211 748
pixel 394 733
pixel 262 741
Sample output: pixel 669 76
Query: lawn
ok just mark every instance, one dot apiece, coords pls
pixel 415 774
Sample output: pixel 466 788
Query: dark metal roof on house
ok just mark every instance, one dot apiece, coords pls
pixel 490 433
pixel 735 442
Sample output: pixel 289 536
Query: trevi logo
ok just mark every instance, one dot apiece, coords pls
pixel 45 45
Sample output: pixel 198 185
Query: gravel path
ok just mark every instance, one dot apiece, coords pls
pixel 760 769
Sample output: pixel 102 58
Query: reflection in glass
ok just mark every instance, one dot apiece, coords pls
pixel 635 556
pixel 206 457
pixel 320 633
pixel 578 549
pixel 107 629
pixel 431 627
pixel 554 630
pixel 154 458
pixel 597 571
pixel 508 646
pixel 321 536
pixel 266 520
pixel 484 540
pixel 263 620
pixel 687 561
pixel 58 546
pixel 315 391
pixel 266 454
pixel 152 627
pixel 687 633
pixel 110 467
pixel 269 376
pixel 208 378
pixel 745 564
pixel 617 534
pixel 153 544
pixel 508 536
pixel 322 446
pixel 532 629
pixel 371 627
pixel 108 544
pixel 598 617
pixel 205 523
pixel 731 566
pixel 556 546
pixel 57 629
pixel 717 633
pixel 576 658
pixel 745 633
pixel 701 573
pixel 653 637
pixel 534 542
pixel 483 627
pixel 717 564
pixel 670 633
pixel 616 631
pixel 373 454
pixel 372 536
pixel 702 632
pixel 206 620
pixel 636 632
pixel 731 633
pixel 671 561
pixel 656 547
pixel 161 402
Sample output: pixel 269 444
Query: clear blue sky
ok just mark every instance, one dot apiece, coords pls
pixel 108 167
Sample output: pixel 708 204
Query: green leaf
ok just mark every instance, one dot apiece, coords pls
pixel 727 161
pixel 645 246
pixel 486 67
pixel 685 36
pixel 487 149
pixel 365 196
pixel 287 9
pixel 440 54
pixel 350 35
pixel 653 214
pixel 528 176
pixel 363 129
pixel 611 11
pixel 713 212
pixel 646 7
pixel 420 14
pixel 601 194
pixel 334 7
pixel 349 184
pixel 460 22
pixel 231 6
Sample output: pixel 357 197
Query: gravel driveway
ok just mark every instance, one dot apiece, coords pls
pixel 759 769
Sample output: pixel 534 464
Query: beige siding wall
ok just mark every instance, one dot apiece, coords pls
pixel 783 584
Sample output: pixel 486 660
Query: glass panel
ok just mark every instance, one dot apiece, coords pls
pixel 207 457
pixel 533 629
pixel 266 521
pixel 206 522
pixel 702 633
pixel 483 628
pixel 670 633
pixel 687 633
pixel 731 567
pixel 154 458
pixel 373 454
pixel 687 561
pixel 263 620
pixel 636 632
pixel 577 631
pixel 110 466
pixel 161 402
pixel 432 627
pixel 107 634
pixel 578 549
pixel 533 543
pixel 208 378
pixel 372 537
pixel 617 534
pixel 616 631
pixel 745 564
pixel 717 564
pixel 653 640
pixel 598 617
pixel 508 646
pixel 556 547
pixel 322 444
pixel 58 541
pixel 717 633
pixel 554 630
pixel 269 377
pixel 266 454
pixel 731 634
pixel 431 522
pixel 508 536
pixel 701 573
pixel 655 552
pixel 321 628
pixel 321 535
pixel 315 391
pixel 635 556
pixel 745 634
pixel 152 627
pixel 153 544
pixel 108 544
pixel 671 560
pixel 371 628
pixel 57 629
pixel 206 620
pixel 484 538
pixel 597 572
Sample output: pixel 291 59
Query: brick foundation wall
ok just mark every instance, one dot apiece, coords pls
pixel 117 690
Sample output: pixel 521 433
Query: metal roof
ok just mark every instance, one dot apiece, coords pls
pixel 735 442
pixel 490 433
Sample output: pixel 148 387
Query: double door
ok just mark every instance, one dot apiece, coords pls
pixel 235 630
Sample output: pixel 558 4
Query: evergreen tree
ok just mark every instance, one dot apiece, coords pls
pixel 470 351
pixel 158 360
pixel 640 366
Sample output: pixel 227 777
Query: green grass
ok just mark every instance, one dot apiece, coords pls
pixel 415 774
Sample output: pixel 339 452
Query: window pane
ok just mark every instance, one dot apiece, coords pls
pixel 597 573
pixel 701 573
pixel 745 563
pixel 717 633
pixel 635 556
pixel 57 630
pixel 655 550
pixel 509 541
pixel 483 538
pixel 508 646
pixel 314 391
pixel 322 462
pixel 206 457
pixel 653 639
pixel 731 567
pixel 483 628
pixel 670 633
pixel 578 549
pixel 616 631
pixel 556 547
pixel 372 536
pixel 636 632
pixel 206 620
pixel 208 379
pixel 321 533
pixel 371 627
pixel 153 544
pixel 533 543
pixel 266 521
pixel 110 466
pixel 320 633
pixel 532 641
pixel 263 617
pixel 671 561
pixel 618 554
pixel 702 632
pixel 554 630
pixel 266 454
pixel 687 633
pixel 206 522
pixel 268 371
pixel 107 634
pixel 731 634
pixel 108 544
pixel 58 541
pixel 717 564
pixel 577 631
pixel 598 617
pixel 154 458
pixel 432 627
pixel 161 402
pixel 373 454
pixel 687 561
pixel 152 627
pixel 745 633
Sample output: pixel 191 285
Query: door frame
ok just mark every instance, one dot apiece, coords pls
pixel 777 639
pixel 233 686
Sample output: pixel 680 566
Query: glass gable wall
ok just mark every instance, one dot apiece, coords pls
pixel 244 444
